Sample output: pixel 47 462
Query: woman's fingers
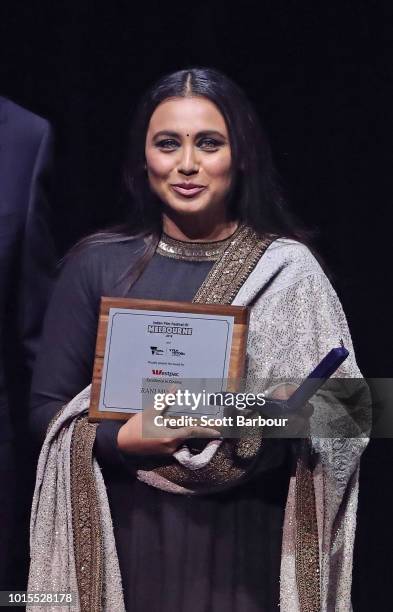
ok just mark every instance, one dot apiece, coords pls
pixel 283 391
pixel 140 435
pixel 151 410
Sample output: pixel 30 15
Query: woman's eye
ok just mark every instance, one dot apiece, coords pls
pixel 167 143
pixel 209 143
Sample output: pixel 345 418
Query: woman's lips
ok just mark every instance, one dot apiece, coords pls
pixel 188 192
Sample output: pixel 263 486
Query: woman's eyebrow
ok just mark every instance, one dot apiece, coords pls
pixel 210 133
pixel 166 133
pixel 198 135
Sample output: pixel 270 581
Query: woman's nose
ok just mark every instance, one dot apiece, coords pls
pixel 188 162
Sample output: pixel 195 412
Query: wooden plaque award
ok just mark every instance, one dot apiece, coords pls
pixel 162 342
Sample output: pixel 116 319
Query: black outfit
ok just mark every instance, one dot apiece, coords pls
pixel 27 264
pixel 210 553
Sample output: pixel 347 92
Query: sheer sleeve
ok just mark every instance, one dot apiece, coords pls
pixel 65 362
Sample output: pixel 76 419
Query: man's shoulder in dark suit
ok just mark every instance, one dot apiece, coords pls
pixel 23 135
pixel 26 244
pixel 23 123
pixel 27 265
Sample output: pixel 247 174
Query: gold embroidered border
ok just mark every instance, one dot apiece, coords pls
pixel 221 469
pixel 232 269
pixel 86 520
pixel 307 547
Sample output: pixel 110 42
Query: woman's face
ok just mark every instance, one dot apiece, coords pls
pixel 188 156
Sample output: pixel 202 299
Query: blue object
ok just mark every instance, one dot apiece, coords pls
pixel 329 364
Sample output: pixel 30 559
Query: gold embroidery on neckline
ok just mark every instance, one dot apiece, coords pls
pixel 194 251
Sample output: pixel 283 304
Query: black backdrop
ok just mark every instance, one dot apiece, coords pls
pixel 320 75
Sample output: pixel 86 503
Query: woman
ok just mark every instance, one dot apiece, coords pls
pixel 207 223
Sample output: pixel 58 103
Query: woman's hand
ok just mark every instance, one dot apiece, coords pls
pixel 133 436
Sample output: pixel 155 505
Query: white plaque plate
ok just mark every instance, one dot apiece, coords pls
pixel 146 350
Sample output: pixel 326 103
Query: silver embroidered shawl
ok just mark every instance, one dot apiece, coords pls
pixel 296 318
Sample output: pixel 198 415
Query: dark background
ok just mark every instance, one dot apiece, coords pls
pixel 319 73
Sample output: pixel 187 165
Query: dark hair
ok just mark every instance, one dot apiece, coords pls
pixel 256 197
